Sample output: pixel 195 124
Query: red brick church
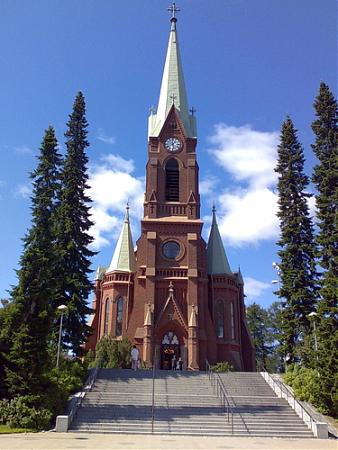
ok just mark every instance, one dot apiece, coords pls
pixel 174 294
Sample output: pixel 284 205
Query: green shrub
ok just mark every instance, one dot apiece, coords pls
pixel 70 377
pixel 111 353
pixel 305 384
pixel 222 366
pixel 25 412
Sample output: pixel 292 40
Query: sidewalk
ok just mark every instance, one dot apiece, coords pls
pixel 61 441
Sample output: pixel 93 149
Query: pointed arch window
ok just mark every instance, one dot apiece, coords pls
pixel 119 316
pixel 232 316
pixel 172 181
pixel 220 319
pixel 106 316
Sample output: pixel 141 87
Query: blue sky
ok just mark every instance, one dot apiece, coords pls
pixel 247 63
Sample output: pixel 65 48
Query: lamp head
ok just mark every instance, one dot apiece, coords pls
pixel 62 308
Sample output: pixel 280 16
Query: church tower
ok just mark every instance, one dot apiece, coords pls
pixel 176 295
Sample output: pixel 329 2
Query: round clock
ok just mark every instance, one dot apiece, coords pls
pixel 173 144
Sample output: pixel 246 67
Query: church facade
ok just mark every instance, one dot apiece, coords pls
pixel 175 294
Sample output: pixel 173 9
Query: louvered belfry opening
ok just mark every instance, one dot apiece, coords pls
pixel 172 181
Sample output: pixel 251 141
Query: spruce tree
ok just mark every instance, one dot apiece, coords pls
pixel 27 326
pixel 73 224
pixel 325 177
pixel 298 277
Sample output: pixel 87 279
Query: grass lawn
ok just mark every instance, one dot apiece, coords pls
pixel 4 429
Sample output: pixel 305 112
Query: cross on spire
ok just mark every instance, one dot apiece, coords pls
pixel 173 98
pixel 173 9
pixel 192 110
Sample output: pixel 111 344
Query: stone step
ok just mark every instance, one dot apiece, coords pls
pixel 146 429
pixel 185 403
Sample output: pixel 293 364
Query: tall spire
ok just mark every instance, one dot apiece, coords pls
pixel 173 90
pixel 217 261
pixel 124 256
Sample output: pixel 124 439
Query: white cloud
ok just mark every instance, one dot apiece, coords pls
pixel 254 288
pixel 116 162
pixel 23 191
pixel 207 185
pixel 247 154
pixel 23 150
pixel 103 137
pixel 248 216
pixel 247 212
pixel 311 203
pixel 112 185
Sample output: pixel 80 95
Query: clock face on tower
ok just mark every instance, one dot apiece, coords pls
pixel 173 144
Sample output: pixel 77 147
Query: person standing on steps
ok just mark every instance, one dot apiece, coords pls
pixel 173 363
pixel 134 357
pixel 179 365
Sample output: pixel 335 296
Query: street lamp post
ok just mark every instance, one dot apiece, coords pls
pixel 61 308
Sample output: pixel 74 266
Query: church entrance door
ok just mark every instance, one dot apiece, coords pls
pixel 170 350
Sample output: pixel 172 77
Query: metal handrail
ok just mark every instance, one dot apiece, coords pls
pixel 219 389
pixel 80 396
pixel 153 394
pixel 277 384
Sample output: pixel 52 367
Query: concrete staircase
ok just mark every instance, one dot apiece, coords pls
pixel 185 403
pixel 263 413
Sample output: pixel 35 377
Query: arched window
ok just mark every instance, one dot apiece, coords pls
pixel 119 316
pixel 220 319
pixel 106 316
pixel 172 181
pixel 232 320
pixel 170 339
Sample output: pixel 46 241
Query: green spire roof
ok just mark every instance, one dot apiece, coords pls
pixel 124 256
pixel 217 261
pixel 172 90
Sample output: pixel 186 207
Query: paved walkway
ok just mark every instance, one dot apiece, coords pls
pixel 61 441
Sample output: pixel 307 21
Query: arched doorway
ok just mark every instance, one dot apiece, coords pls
pixel 170 346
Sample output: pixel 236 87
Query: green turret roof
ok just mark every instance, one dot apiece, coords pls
pixel 217 261
pixel 124 256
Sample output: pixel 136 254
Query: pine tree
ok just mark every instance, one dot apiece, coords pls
pixel 325 177
pixel 72 228
pixel 28 324
pixel 298 287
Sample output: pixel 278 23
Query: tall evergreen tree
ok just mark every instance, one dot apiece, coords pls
pixel 28 323
pixel 73 224
pixel 325 177
pixel 298 287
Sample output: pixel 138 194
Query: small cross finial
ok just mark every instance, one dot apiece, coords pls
pixel 192 110
pixel 126 219
pixel 173 9
pixel 213 208
pixel 173 97
pixel 171 289
pixel 152 110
